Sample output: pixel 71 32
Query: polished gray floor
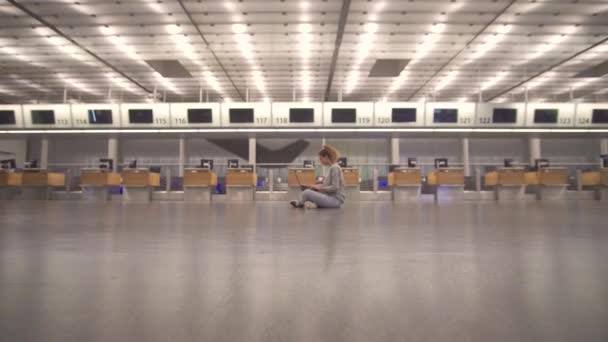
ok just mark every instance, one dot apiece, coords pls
pixel 265 272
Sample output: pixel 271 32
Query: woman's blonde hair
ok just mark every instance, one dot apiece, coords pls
pixel 330 152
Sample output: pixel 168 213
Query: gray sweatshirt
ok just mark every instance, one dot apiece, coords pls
pixel 333 184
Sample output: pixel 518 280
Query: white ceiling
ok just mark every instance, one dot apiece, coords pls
pixel 456 47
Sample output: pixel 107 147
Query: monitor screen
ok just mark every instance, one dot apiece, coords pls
pixel 43 117
pixel 404 115
pixel 504 115
pixel 200 115
pixel 7 117
pixel 441 162
pixel 100 116
pixel 301 115
pixel 207 164
pixel 441 115
pixel 233 163
pixel 548 116
pixel 141 116
pixel 241 115
pixel 344 115
pixel 600 116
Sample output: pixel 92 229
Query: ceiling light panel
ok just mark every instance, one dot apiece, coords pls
pixel 528 37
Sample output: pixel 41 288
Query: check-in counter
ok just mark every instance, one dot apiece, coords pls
pixel 449 182
pixel 352 183
pixel 138 184
pixel 297 177
pixel 198 184
pixel 509 183
pixel 406 183
pixel 240 184
pixel 8 181
pixel 34 184
pixel 551 182
pixel 603 184
pixel 590 178
pixel 95 182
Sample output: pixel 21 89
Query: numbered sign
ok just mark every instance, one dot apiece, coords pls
pixel 195 114
pixel 592 115
pixel 399 114
pixel 49 116
pixel 251 114
pixel 96 115
pixel 550 115
pixel 11 117
pixel 348 114
pixel 500 115
pixel 295 114
pixel 457 114
pixel 148 115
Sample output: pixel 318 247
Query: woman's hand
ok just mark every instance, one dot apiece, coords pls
pixel 315 187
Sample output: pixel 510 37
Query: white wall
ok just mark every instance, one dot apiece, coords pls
pixel 362 151
pixel 86 150
pixel 427 149
pixel 494 151
pixel 14 148
pixel 197 149
pixel 571 150
pixel 76 151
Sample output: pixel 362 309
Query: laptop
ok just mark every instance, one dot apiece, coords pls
pixel 302 187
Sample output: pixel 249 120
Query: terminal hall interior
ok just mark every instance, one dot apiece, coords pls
pixel 149 151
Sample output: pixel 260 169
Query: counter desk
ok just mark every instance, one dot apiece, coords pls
pixel 199 184
pixel 138 184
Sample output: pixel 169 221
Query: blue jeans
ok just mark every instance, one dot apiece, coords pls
pixel 320 199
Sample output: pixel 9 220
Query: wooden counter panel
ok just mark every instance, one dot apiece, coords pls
pixel 240 177
pixel 35 178
pixel 409 177
pixel 553 177
pixel 199 178
pixel 351 176
pixel 306 177
pixel 450 177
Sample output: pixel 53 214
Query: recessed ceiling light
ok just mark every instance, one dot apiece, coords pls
pixel 438 28
pixel 504 29
pixel 241 38
pixel 304 38
pixel 304 28
pixel 107 30
pixel 371 27
pixel 173 29
pixel 304 4
pixel 239 28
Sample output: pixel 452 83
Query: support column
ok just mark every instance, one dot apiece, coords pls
pixel 182 156
pixel 395 159
pixel 252 150
pixel 44 153
pixel 603 148
pixel 113 151
pixel 604 145
pixel 535 151
pixel 465 157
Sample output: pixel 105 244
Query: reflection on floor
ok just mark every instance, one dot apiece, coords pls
pixel 74 271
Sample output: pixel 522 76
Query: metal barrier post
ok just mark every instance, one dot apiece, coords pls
pixel 375 179
pixel 271 180
pixel 168 180
pixel 477 179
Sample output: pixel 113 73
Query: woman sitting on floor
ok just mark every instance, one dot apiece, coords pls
pixel 329 194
